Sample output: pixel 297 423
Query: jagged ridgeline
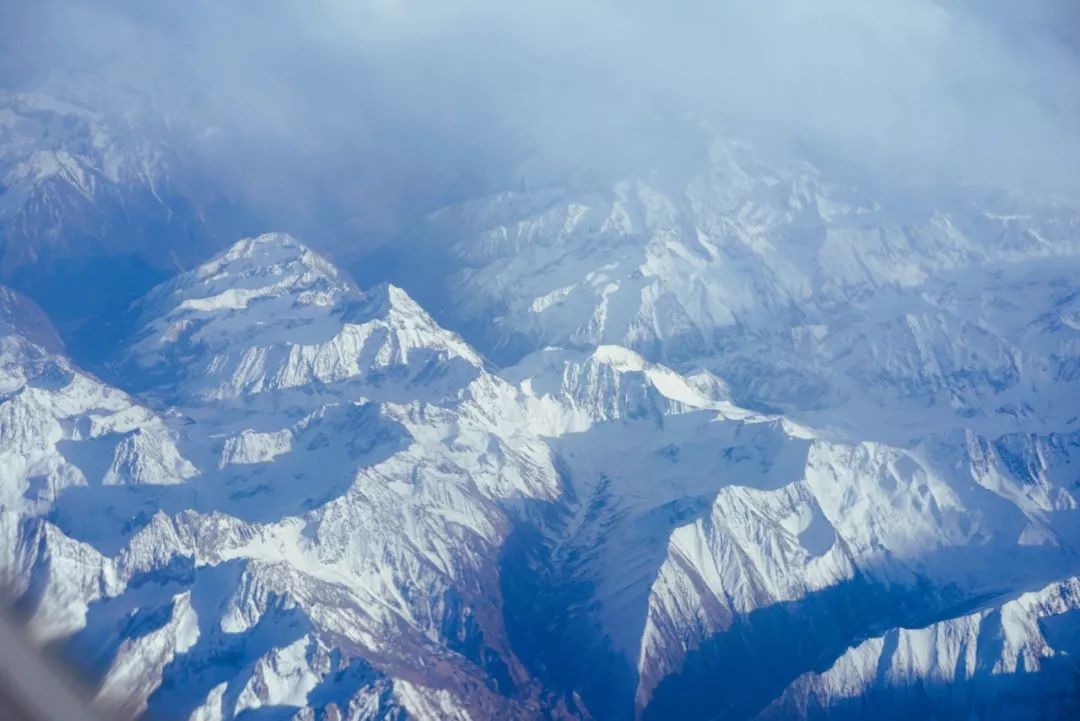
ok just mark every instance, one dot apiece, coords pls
pixel 744 442
pixel 290 497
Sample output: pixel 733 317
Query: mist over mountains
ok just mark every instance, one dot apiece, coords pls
pixel 383 109
pixel 385 360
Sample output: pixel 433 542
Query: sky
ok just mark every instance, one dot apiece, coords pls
pixel 377 111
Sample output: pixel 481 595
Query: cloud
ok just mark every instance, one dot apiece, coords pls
pixel 378 110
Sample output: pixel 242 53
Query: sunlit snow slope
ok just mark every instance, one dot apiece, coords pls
pixel 759 447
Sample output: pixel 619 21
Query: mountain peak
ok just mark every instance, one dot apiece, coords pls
pixel 262 276
pixel 387 300
pixel 262 251
pixel 266 264
pixel 270 313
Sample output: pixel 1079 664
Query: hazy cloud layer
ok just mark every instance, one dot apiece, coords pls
pixel 381 109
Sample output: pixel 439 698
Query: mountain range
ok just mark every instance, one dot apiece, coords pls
pixel 745 444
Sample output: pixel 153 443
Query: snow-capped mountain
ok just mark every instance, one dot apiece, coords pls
pixel 708 554
pixel 270 314
pixel 85 192
pixel 803 295
pixel 313 502
pixel 990 664
pixel 337 525
pixel 64 431
pixel 918 365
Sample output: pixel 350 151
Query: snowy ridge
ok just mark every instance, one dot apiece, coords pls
pixel 84 156
pixel 756 548
pixel 269 313
pixel 801 294
pixel 863 515
pixel 571 390
pixel 317 502
pixel 909 670
pixel 758 516
pixel 89 191
pixel 64 430
pixel 372 524
pixel 77 182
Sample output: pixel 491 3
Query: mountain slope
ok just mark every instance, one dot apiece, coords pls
pixel 86 194
pixel 803 295
pixel 313 501
pixel 994 663
pixel 302 558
